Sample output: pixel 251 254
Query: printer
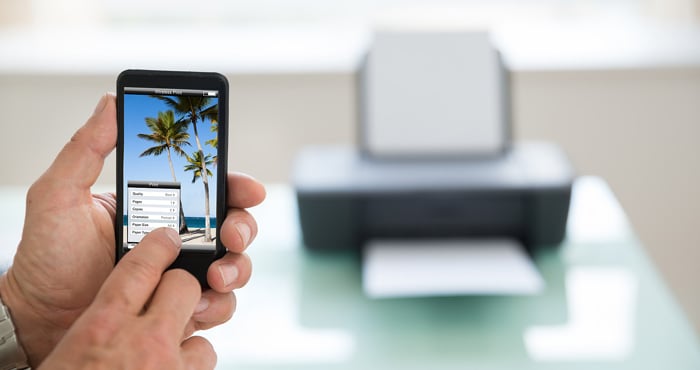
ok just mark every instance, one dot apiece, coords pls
pixel 435 157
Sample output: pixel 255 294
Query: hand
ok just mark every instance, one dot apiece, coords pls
pixel 139 315
pixel 67 246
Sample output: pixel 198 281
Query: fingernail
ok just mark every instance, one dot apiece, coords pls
pixel 229 273
pixel 100 105
pixel 202 305
pixel 244 232
pixel 174 236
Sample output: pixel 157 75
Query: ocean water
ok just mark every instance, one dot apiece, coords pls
pixel 196 222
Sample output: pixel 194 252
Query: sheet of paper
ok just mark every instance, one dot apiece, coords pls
pixel 414 268
pixel 433 92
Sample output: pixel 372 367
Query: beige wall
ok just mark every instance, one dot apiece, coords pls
pixel 640 130
pixel 272 116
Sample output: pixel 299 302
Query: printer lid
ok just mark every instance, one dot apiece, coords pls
pixel 343 169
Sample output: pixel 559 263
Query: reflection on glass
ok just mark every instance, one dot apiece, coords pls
pixel 266 331
pixel 601 303
pixel 597 217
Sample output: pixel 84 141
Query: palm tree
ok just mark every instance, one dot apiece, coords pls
pixel 169 135
pixel 194 109
pixel 197 163
pixel 214 143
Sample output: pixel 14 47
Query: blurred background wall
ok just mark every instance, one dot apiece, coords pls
pixel 616 83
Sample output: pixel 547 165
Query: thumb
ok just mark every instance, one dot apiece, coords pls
pixel 80 161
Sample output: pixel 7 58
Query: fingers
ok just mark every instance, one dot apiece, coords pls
pixel 244 191
pixel 174 301
pixel 81 160
pixel 238 230
pixel 198 354
pixel 230 272
pixel 136 276
pixel 233 270
pixel 220 309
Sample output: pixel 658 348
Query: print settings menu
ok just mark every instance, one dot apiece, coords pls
pixel 151 207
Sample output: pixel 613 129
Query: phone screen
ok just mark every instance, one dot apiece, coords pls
pixel 170 141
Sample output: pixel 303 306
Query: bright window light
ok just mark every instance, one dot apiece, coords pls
pixel 244 12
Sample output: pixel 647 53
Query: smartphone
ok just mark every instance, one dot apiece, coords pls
pixel 172 162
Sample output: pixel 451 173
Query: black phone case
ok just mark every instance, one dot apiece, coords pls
pixel 196 262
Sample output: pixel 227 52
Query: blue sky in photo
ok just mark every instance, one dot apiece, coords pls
pixel 156 168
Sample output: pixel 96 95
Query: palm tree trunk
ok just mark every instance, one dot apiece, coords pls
pixel 183 223
pixel 205 181
pixel 207 223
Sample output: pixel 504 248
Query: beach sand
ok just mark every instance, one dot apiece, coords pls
pixel 196 237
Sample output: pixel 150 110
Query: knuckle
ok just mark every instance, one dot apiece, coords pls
pixel 104 324
pixel 224 312
pixel 155 351
pixel 206 348
pixel 117 299
pixel 34 190
pixel 77 135
pixel 40 189
pixel 161 325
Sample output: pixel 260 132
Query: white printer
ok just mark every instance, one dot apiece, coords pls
pixel 435 158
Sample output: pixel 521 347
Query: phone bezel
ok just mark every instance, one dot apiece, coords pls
pixel 195 261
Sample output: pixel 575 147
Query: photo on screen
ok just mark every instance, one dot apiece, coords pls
pixel 170 160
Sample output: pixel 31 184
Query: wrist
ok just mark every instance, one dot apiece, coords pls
pixel 12 356
pixel 32 333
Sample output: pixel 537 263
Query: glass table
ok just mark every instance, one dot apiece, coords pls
pixel 604 305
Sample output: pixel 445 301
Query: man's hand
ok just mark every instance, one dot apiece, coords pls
pixel 139 316
pixel 68 248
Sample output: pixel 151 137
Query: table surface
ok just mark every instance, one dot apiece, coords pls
pixel 604 305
